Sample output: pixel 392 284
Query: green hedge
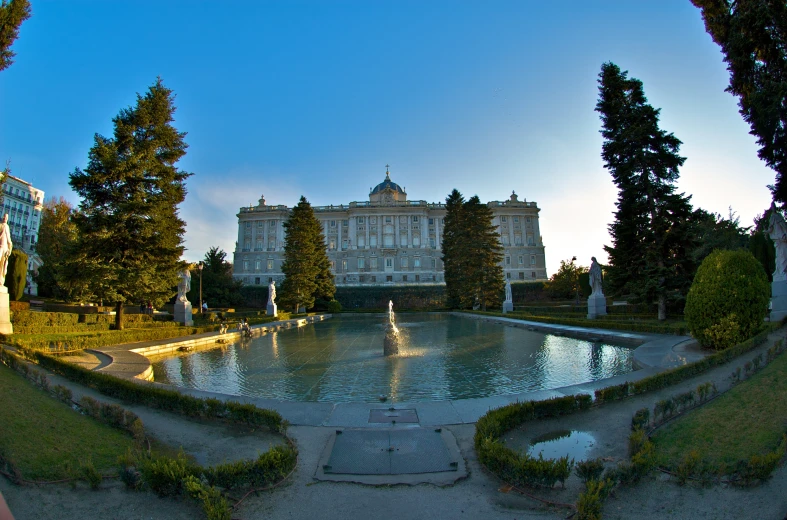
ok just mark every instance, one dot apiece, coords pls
pixel 509 465
pixel 608 323
pixel 161 398
pixel 420 297
pixel 45 319
pixel 79 341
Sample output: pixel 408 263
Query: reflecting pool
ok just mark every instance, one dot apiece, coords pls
pixel 443 357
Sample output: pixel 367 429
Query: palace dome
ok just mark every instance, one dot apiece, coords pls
pixel 387 184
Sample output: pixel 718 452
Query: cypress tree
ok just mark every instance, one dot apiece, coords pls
pixel 472 254
pixel 651 234
pixel 454 262
pixel 130 234
pixel 306 266
pixel 752 35
pixel 16 276
pixel 485 254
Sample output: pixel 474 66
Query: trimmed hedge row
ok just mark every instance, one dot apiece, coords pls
pixel 681 373
pixel 60 329
pixel 45 319
pixel 160 398
pixel 518 468
pixel 509 465
pixel 632 326
pixel 66 342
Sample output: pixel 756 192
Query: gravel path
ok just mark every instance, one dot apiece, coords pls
pixel 480 495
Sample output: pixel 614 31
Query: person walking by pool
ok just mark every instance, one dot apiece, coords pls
pixel 245 329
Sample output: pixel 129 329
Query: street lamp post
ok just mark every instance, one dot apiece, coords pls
pixel 576 280
pixel 200 266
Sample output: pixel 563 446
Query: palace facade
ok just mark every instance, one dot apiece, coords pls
pixel 387 240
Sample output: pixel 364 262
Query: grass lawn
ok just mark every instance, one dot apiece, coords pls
pixel 749 419
pixel 43 436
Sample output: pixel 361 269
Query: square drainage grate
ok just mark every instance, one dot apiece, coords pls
pixel 394 452
pixel 392 415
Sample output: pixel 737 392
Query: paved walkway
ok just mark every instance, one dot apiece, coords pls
pixel 479 495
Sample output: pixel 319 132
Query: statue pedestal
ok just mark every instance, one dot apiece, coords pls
pixel 597 305
pixel 778 300
pixel 5 312
pixel 508 306
pixel 273 309
pixel 183 313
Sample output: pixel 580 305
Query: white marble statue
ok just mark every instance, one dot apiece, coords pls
pixel 595 277
pixel 6 246
pixel 777 229
pixel 508 291
pixel 184 286
pixel 272 293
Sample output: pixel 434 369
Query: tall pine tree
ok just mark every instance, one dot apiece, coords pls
pixel 472 254
pixel 651 233
pixel 131 237
pixel 306 266
pixel 752 35
pixel 454 259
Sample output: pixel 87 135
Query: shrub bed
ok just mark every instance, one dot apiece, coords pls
pixel 161 398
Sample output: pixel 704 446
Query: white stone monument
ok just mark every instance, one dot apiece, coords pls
pixel 6 246
pixel 597 303
pixel 272 308
pixel 183 313
pixel 508 304
pixel 777 229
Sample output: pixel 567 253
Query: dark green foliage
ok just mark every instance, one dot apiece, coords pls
pixel 16 276
pixel 218 286
pixel 57 242
pixel 270 467
pixel 613 393
pixel 417 297
pixel 165 476
pixel 728 300
pixel 130 234
pixel 472 254
pixel 651 233
pixel 711 231
pixel 90 474
pixel 12 14
pixel 590 469
pixel 641 419
pixel 592 499
pixel 306 266
pixel 565 283
pixel 213 503
pixel 753 37
pixel 63 393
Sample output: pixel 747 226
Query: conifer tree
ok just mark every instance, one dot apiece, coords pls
pixel 651 234
pixel 218 285
pixel 454 261
pixel 472 254
pixel 306 266
pixel 752 35
pixel 485 254
pixel 12 14
pixel 131 237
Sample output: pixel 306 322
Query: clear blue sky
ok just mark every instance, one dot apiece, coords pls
pixel 315 98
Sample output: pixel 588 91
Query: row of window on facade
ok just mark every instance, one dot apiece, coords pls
pixel 20 193
pixel 390 278
pixel 404 263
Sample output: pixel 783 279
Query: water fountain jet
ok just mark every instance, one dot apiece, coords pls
pixel 392 336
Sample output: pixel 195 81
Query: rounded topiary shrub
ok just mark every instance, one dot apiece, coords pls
pixel 728 299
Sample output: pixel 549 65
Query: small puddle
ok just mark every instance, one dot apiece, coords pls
pixel 560 443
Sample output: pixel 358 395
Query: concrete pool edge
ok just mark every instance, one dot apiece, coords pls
pixel 655 353
pixel 130 360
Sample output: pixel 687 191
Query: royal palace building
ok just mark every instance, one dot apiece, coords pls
pixel 387 240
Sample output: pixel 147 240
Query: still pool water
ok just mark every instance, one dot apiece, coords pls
pixel 444 357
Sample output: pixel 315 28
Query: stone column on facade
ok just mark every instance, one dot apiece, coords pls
pixel 425 230
pixel 366 231
pixel 339 234
pixel 396 232
pixel 409 231
pixel 437 238
pixel 353 230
